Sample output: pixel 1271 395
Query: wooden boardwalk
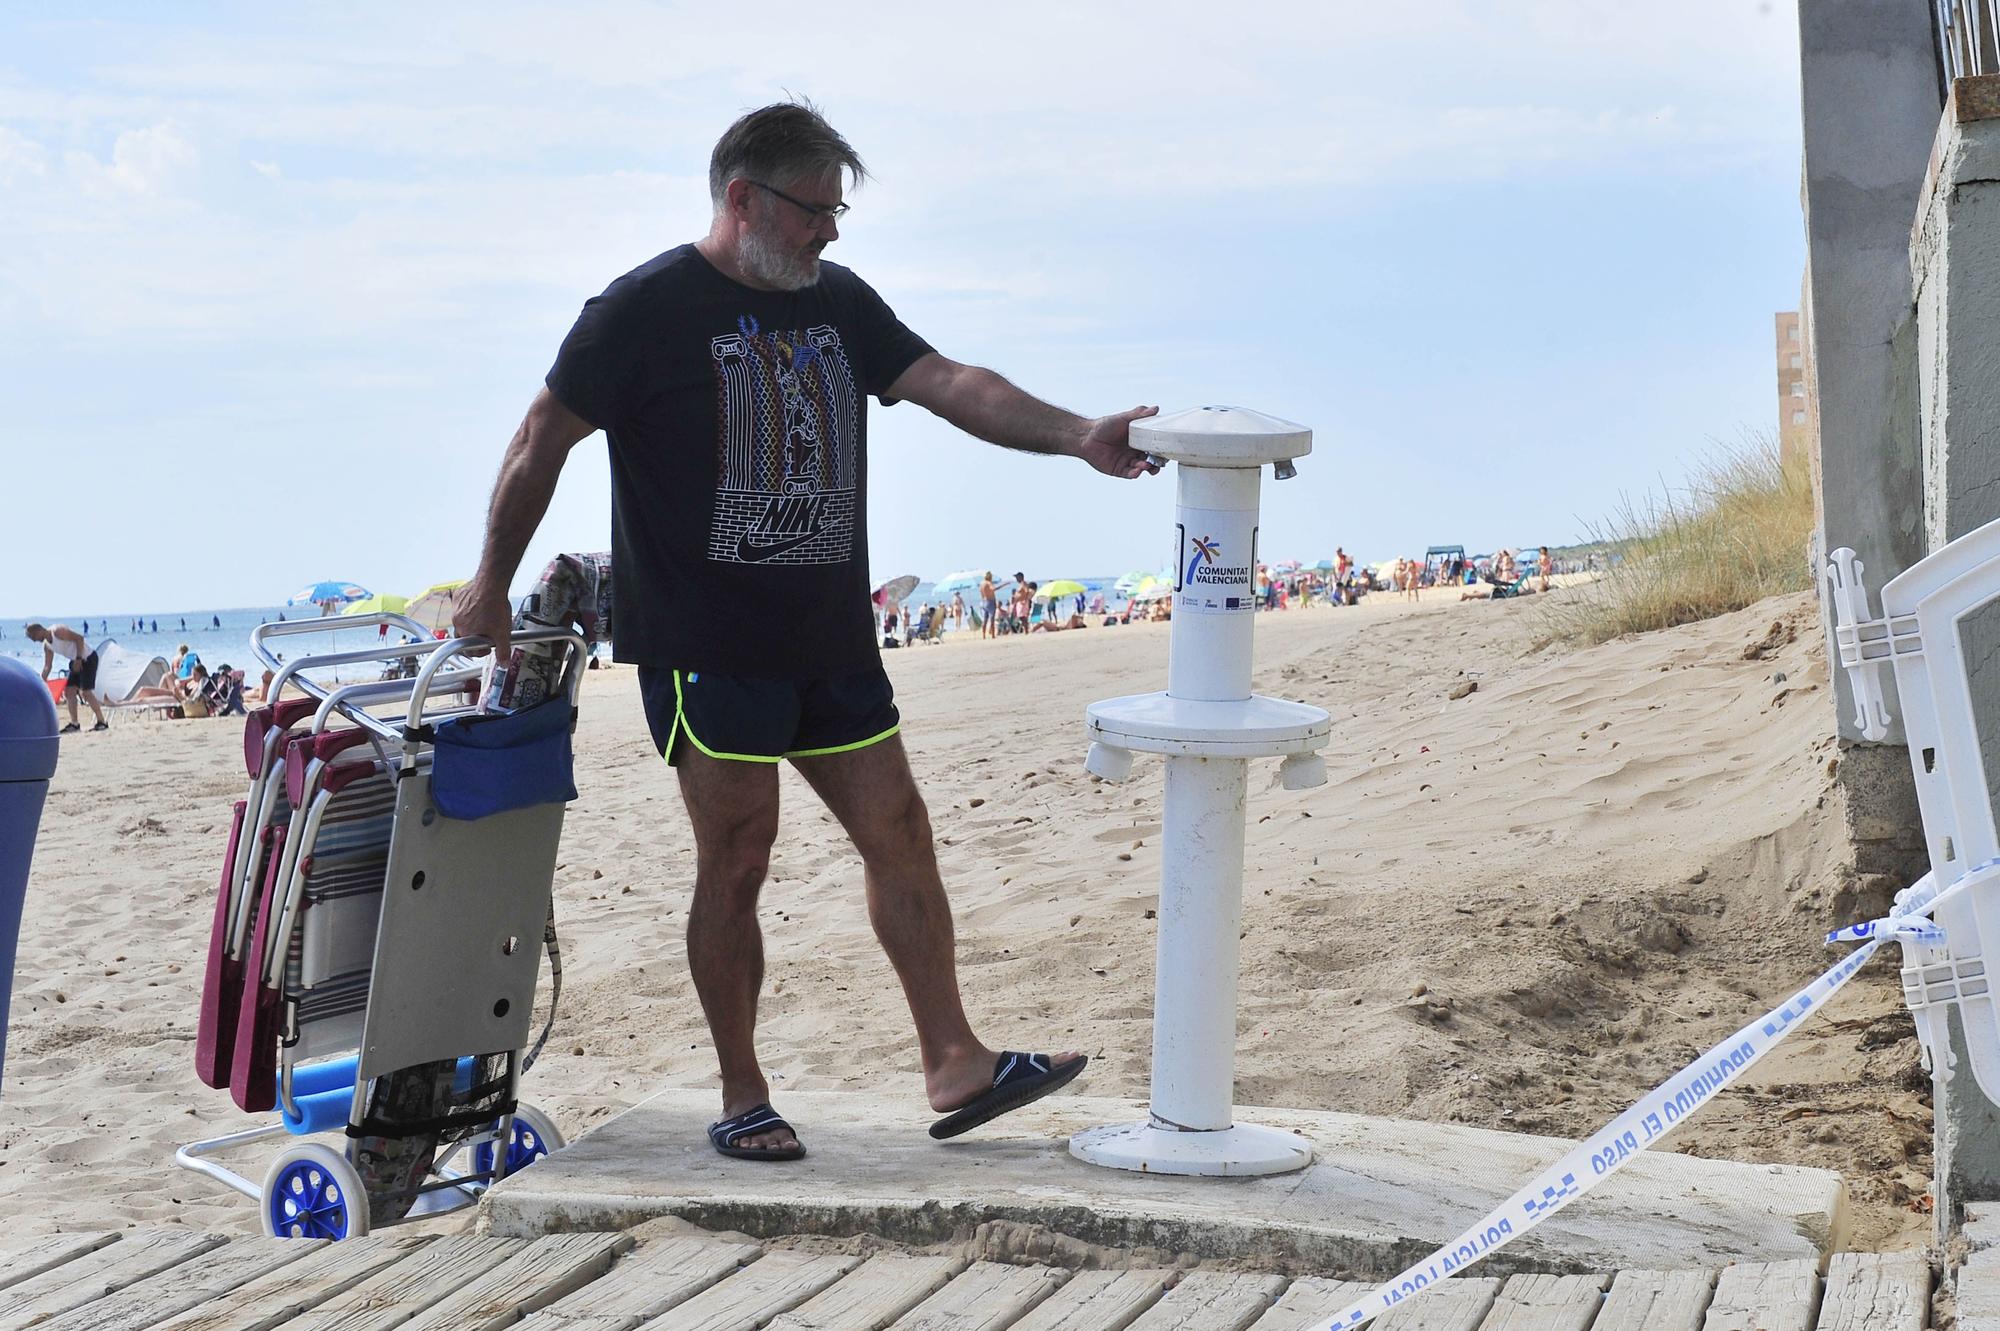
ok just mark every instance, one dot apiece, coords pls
pixel 179 1280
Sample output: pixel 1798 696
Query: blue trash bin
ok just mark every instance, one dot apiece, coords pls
pixel 27 760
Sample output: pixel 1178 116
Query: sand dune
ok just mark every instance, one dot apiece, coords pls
pixel 1516 909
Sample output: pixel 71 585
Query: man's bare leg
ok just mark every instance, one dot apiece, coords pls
pixel 875 797
pixel 734 809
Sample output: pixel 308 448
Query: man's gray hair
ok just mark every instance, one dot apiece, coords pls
pixel 779 144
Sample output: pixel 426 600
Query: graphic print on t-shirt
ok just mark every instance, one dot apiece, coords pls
pixel 786 458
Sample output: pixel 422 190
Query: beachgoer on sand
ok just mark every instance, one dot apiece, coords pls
pixel 989 627
pixel 1542 570
pixel 64 641
pixel 748 340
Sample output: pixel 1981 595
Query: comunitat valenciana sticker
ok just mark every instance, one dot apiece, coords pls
pixel 1218 553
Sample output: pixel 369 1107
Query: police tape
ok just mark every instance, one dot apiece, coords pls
pixel 1619 1142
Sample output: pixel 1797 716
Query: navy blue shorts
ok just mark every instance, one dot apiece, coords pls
pixel 763 720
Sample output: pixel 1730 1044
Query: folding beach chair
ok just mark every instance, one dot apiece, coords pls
pixel 256 827
pixel 373 958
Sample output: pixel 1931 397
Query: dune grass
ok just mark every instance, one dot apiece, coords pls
pixel 1740 531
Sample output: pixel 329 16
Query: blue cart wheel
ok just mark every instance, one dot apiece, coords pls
pixel 534 1136
pixel 312 1192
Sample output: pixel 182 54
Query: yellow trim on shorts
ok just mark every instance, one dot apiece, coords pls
pixel 680 724
pixel 842 748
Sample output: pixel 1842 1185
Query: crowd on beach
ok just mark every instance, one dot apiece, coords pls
pixel 1000 608
pixel 986 605
pixel 188 688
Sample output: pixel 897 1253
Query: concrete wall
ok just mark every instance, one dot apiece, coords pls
pixel 1955 274
pixel 1868 82
pixel 1955 268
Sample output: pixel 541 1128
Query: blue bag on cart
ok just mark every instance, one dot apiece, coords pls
pixel 494 763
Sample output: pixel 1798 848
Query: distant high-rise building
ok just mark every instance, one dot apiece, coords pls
pixel 1795 397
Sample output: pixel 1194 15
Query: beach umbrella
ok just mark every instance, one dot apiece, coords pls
pixel 895 589
pixel 434 606
pixel 1130 582
pixel 1324 566
pixel 967 581
pixel 322 592
pixel 381 604
pixel 1059 588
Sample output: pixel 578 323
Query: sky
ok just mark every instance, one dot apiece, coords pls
pixel 278 281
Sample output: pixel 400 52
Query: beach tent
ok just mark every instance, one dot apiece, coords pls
pixel 1440 559
pixel 122 673
pixel 322 592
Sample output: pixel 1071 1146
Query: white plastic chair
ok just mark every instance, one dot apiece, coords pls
pixel 1928 610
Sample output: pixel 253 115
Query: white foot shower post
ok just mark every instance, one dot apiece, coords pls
pixel 1209 725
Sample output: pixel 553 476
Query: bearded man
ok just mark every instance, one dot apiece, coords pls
pixel 731 378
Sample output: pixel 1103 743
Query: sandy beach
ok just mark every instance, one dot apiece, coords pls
pixel 1516 909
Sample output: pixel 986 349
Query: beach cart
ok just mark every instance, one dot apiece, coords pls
pixel 384 903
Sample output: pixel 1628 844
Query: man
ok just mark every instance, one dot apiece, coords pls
pixel 730 377
pixel 66 641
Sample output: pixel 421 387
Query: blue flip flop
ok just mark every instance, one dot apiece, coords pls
pixel 1018 1079
pixel 757 1118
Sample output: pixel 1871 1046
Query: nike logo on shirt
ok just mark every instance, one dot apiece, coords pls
pixel 753 551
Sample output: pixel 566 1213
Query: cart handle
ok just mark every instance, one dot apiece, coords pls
pixel 572 677
pixel 431 679
pixel 291 672
pixel 295 627
pixel 342 700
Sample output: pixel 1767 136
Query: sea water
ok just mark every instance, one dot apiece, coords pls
pixel 227 643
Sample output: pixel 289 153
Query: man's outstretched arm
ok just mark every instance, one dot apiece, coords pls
pixel 984 405
pixel 520 497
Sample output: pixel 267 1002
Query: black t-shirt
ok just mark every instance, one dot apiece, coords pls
pixel 738 424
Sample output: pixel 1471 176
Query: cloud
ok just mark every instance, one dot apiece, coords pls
pixel 20 157
pixel 144 162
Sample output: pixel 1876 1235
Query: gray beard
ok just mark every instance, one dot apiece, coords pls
pixel 775 267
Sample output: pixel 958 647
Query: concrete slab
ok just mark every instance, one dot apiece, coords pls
pixel 1380 1194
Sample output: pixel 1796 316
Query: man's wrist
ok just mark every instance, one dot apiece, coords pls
pixel 483 583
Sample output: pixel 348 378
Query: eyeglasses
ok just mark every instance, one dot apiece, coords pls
pixel 817 214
